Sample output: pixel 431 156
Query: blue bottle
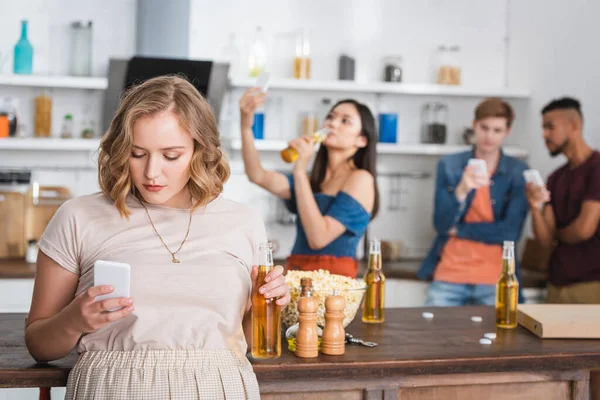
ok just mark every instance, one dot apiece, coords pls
pixel 23 53
pixel 258 128
pixel 388 128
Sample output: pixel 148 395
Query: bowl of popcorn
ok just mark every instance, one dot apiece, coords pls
pixel 324 284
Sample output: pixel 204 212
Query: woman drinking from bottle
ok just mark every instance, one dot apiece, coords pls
pixel 337 198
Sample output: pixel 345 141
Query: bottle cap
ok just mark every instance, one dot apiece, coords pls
pixel 306 282
pixel 265 245
pixel 427 315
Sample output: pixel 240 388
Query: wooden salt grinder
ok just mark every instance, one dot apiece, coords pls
pixel 307 338
pixel 334 335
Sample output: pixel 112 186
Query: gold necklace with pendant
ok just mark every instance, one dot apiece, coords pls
pixel 174 259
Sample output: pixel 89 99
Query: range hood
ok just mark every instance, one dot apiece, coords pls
pixel 210 78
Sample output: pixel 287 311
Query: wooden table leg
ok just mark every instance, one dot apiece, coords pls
pixel 595 384
pixel 45 393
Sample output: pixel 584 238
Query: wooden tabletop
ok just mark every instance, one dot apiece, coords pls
pixel 408 345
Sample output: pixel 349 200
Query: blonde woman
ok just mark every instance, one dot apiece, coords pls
pixel 184 331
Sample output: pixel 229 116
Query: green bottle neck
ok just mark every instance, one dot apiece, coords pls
pixel 24 30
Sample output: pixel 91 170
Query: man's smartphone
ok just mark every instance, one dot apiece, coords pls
pixel 480 165
pixel 533 175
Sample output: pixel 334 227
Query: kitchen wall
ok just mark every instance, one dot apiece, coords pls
pixel 114 27
pixel 553 58
pixel 369 32
pixel 541 56
pixel 366 30
pixel 114 23
pixel 551 52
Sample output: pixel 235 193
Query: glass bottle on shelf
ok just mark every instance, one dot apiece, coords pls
pixel 66 131
pixel 257 61
pixel 442 65
pixel 323 110
pixel 231 54
pixel 23 53
pixel 43 115
pixel 310 123
pixel 455 70
pixel 393 69
pixel 434 120
pixel 88 125
pixel 8 109
pixel 81 48
pixel 448 65
pixel 302 59
pixel 87 129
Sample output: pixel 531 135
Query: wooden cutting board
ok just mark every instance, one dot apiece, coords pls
pixel 40 210
pixel 12 217
pixel 565 321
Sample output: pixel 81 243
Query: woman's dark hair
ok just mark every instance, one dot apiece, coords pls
pixel 364 158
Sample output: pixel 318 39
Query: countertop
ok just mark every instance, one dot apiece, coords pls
pixel 408 345
pixel 405 269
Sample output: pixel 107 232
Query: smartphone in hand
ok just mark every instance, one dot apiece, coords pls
pixel 112 273
pixel 533 175
pixel 480 165
pixel 263 80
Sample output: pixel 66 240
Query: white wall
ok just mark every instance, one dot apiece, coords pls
pixel 114 25
pixel 550 52
pixel 114 30
pixel 368 30
pixel 543 56
pixel 163 28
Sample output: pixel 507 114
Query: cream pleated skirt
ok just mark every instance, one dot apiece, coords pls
pixel 162 374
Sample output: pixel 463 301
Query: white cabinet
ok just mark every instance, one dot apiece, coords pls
pixel 30 394
pixel 15 295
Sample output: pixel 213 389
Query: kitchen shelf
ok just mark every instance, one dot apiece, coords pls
pixel 387 148
pixel 49 144
pixel 438 149
pixel 50 81
pixel 424 89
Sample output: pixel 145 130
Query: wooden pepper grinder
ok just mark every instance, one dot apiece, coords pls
pixel 307 338
pixel 334 335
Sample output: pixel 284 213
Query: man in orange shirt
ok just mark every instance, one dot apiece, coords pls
pixel 476 210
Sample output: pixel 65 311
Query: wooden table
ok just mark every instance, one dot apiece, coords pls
pixel 415 359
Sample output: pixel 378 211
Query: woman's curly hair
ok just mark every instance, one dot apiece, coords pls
pixel 208 168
